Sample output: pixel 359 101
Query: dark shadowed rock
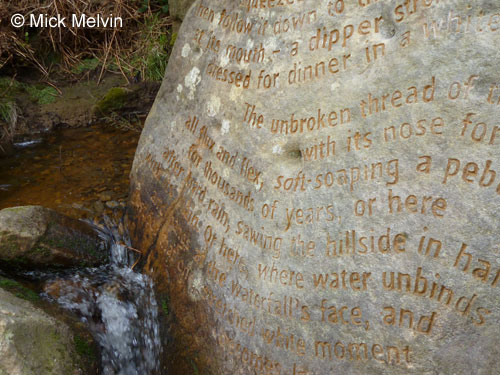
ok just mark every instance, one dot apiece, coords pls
pixel 38 237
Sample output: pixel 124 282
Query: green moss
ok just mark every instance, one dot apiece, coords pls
pixel 114 99
pixel 173 39
pixel 57 242
pixel 11 89
pixel 78 242
pixel 84 244
pixel 84 348
pixel 8 84
pixel 164 305
pixel 30 295
pixel 195 368
pixel 18 209
pixel 86 65
pixel 44 346
pixel 86 247
pixel 6 283
pixel 40 250
pixel 41 94
pixel 18 290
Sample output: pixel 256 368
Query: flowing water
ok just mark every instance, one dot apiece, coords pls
pixel 84 173
pixel 119 307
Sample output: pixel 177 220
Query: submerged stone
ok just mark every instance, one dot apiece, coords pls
pixel 317 188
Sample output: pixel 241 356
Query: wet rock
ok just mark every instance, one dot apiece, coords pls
pixel 77 291
pixel 112 204
pixel 106 196
pixel 78 206
pixel 33 343
pixel 38 237
pixel 98 207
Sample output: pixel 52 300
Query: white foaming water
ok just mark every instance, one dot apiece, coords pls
pixel 119 307
pixel 27 143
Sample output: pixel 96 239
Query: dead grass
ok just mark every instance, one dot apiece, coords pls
pixel 116 49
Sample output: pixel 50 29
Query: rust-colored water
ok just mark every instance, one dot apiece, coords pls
pixel 79 172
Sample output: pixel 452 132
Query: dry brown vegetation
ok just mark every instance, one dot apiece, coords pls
pixel 36 62
pixel 127 49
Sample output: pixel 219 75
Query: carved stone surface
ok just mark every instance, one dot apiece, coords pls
pixel 317 187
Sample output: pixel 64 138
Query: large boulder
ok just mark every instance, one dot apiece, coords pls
pixel 33 343
pixel 38 237
pixel 317 188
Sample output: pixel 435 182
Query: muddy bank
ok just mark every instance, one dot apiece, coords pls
pixel 36 106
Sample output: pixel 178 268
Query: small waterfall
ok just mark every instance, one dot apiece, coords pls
pixel 119 307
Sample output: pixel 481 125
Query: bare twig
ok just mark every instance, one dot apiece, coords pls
pixel 54 86
pixel 131 248
pixel 135 263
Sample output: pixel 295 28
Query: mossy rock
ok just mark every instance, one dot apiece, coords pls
pixel 34 343
pixel 85 348
pixel 36 237
pixel 18 290
pixel 115 99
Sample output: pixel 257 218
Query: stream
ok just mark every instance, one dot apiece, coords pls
pixel 119 307
pixel 83 173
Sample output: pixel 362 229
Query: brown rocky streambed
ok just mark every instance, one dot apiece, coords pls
pixel 81 172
